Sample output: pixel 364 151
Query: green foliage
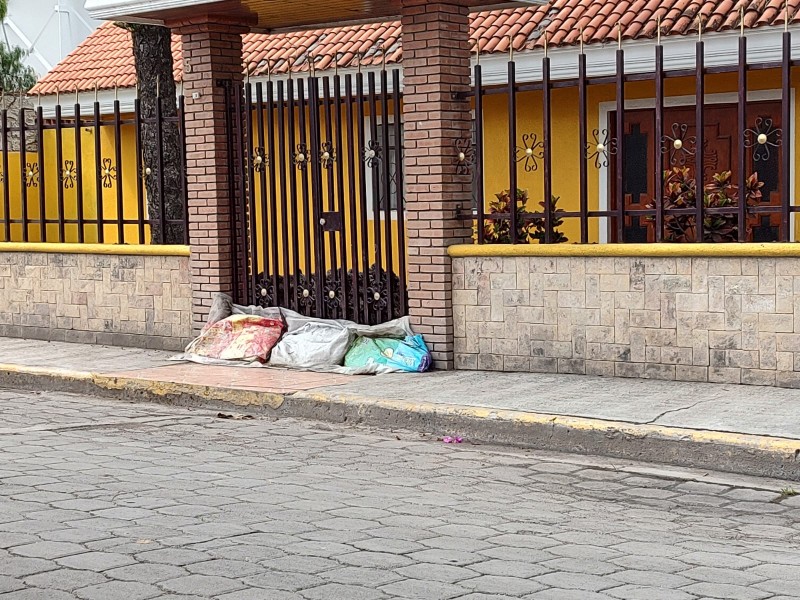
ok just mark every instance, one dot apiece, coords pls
pixel 529 228
pixel 680 191
pixel 15 75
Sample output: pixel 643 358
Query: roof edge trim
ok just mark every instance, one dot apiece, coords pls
pixel 126 10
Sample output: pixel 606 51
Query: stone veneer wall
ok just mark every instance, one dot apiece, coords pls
pixel 718 319
pixel 123 300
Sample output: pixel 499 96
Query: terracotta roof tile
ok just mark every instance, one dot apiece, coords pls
pixel 105 58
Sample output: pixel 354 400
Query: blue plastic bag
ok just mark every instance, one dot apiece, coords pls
pixel 409 354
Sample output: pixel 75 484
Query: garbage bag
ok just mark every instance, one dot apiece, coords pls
pixel 409 354
pixel 247 338
pixel 311 345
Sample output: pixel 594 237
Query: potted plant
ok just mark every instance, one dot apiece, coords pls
pixel 680 193
pixel 529 226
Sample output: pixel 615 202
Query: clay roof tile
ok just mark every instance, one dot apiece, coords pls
pixel 106 57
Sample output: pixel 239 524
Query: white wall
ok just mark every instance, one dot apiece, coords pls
pixel 49 29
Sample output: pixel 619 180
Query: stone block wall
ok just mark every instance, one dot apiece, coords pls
pixel 717 319
pixel 123 300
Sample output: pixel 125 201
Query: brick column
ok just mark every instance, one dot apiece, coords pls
pixel 436 66
pixel 212 52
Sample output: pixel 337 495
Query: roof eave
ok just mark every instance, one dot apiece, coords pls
pixel 138 10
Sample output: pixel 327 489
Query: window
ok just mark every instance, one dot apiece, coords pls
pixel 385 160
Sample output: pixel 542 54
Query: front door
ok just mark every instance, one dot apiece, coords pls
pixel 721 146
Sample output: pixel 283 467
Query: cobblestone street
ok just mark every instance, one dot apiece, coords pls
pixel 101 500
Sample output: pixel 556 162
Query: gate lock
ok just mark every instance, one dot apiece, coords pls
pixel 331 221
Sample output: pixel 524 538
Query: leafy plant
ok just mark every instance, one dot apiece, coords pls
pixel 556 220
pixel 680 192
pixel 529 228
pixel 15 75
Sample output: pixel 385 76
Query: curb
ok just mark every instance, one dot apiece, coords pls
pixel 746 454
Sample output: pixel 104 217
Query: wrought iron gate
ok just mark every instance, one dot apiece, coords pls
pixel 318 182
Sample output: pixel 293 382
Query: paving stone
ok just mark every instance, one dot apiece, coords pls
pixel 445 557
pixel 286 581
pixel 20 567
pixel 375 559
pixel 716 575
pixel 146 573
pixel 286 510
pixel 388 545
pixel 95 561
pixel 258 594
pixel 205 585
pixel 726 591
pixel 497 584
pixel 9 584
pixel 642 592
pixel 651 578
pixel 577 565
pixel 430 590
pixel 48 549
pixel 717 560
pixel 361 576
pixel 173 556
pixel 561 594
pixel 777 571
pixel 38 594
pixel 225 568
pixel 300 564
pixel 576 581
pixel 65 579
pixel 119 590
pixel 437 572
pixel 334 591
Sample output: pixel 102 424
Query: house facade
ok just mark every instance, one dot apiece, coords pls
pixel 588 103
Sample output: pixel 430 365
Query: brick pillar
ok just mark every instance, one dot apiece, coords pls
pixel 436 66
pixel 212 52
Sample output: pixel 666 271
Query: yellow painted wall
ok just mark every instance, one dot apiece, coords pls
pixel 566 146
pixel 566 156
pixel 49 175
pixel 300 205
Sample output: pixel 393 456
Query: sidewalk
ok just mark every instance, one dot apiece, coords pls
pixel 743 429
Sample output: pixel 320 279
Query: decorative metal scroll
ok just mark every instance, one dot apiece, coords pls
pixel 600 147
pixel 763 137
pixel 465 156
pixel 530 152
pixel 678 146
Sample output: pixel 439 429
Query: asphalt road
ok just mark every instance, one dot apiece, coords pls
pixel 102 500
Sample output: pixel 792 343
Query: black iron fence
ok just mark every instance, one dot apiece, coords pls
pixel 319 178
pixel 702 172
pixel 70 175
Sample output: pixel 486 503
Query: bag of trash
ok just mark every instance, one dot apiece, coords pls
pixel 313 344
pixel 409 354
pixel 246 338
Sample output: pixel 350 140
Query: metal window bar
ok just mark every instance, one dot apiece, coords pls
pixel 657 213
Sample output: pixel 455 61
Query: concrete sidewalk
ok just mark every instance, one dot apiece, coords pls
pixel 743 429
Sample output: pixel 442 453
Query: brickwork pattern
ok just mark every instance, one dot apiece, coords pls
pixel 728 320
pixel 212 52
pixel 435 67
pixel 142 301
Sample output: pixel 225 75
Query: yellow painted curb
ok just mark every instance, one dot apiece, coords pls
pixel 237 397
pixel 786 250
pixel 107 249
pixel 46 372
pixel 247 398
pixel 784 446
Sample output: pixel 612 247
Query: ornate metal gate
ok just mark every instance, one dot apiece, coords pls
pixel 318 183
